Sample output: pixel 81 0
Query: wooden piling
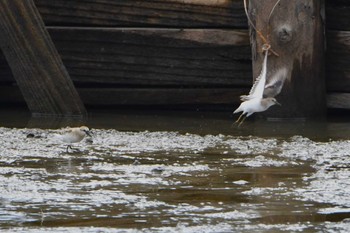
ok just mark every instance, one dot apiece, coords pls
pixel 35 62
pixel 295 31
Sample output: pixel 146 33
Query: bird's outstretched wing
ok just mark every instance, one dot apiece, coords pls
pixel 275 82
pixel 258 87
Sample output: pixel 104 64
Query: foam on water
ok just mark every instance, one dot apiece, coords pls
pixel 171 182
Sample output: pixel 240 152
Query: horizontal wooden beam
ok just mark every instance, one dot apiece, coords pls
pixel 207 57
pixel 159 57
pixel 338 61
pixel 165 13
pixel 162 96
pixel 337 15
pixel 141 13
pixel 142 96
pixel 338 100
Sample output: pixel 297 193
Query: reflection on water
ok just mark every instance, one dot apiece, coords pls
pixel 172 173
pixel 186 122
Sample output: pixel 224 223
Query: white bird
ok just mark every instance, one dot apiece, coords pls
pixel 255 102
pixel 73 135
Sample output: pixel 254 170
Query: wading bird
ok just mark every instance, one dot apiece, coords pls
pixel 73 135
pixel 255 101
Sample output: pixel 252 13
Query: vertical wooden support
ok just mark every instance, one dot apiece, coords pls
pixel 35 62
pixel 295 30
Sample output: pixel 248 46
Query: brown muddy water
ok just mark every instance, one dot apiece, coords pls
pixel 175 172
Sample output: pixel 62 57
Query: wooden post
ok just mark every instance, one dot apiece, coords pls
pixel 295 30
pixel 35 62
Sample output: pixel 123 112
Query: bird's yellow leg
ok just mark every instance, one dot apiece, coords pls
pixel 239 118
pixel 242 121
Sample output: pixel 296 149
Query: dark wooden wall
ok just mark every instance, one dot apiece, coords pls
pixel 167 52
pixel 338 53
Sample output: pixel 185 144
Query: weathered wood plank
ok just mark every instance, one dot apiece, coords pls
pixel 337 15
pixel 165 13
pixel 338 100
pixel 106 64
pixel 338 61
pixel 141 96
pixel 296 33
pixel 160 96
pixel 34 61
pixel 140 13
pixel 105 97
pixel 155 57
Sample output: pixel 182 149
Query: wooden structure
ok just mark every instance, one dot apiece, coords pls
pixel 338 54
pixel 168 52
pixel 35 62
pixel 295 32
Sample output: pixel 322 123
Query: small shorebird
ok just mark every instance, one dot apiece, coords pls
pixel 255 102
pixel 73 135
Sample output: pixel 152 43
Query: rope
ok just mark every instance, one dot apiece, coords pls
pixel 262 37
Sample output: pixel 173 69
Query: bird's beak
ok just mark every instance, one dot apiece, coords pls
pixel 88 133
pixel 278 103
